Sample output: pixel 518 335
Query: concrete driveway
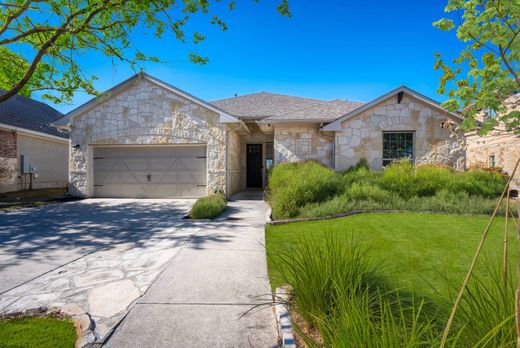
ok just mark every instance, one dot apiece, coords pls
pixel 175 282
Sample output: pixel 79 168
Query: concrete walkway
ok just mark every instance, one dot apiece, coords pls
pixel 201 297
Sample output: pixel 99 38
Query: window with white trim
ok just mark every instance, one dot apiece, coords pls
pixel 398 145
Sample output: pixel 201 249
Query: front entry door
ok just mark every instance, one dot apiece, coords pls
pixel 254 165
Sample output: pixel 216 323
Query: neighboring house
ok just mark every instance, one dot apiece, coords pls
pixel 32 152
pixel 499 148
pixel 146 138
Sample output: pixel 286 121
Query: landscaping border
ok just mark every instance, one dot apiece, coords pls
pixel 283 319
pixel 270 221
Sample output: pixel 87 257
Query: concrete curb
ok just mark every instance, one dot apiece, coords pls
pixel 283 320
pixel 268 213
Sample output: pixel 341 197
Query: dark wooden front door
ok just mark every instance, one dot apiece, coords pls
pixel 254 165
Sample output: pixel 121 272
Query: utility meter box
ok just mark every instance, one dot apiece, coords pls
pixel 25 164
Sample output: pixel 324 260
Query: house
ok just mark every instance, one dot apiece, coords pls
pixel 499 148
pixel 33 154
pixel 146 138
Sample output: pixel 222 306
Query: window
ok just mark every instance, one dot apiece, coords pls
pixel 492 163
pixel 397 145
pixel 268 155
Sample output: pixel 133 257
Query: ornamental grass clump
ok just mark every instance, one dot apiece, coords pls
pixel 341 292
pixel 309 189
pixel 293 185
pixel 486 314
pixel 208 207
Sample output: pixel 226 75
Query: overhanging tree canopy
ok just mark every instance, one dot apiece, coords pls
pixel 40 40
pixel 486 71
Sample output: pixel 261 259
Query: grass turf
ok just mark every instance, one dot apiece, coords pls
pixel 36 332
pixel 427 253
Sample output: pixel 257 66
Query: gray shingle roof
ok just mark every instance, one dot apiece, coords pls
pixel 270 107
pixel 261 105
pixel 23 112
pixel 324 112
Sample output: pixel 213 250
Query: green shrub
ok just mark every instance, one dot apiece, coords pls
pixel 309 189
pixel 399 178
pixel 208 207
pixel 293 185
pixel 319 271
pixel 367 191
pixel 338 289
pixel 486 314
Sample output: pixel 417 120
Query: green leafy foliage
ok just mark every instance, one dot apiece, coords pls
pixel 338 289
pixel 345 272
pixel 208 207
pixel 309 189
pixel 485 72
pixel 293 185
pixel 41 42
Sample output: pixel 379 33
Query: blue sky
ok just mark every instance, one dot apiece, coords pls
pixel 329 49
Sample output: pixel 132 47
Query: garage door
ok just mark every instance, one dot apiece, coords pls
pixel 150 172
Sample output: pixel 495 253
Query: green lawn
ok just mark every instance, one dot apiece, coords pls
pixel 418 251
pixel 36 332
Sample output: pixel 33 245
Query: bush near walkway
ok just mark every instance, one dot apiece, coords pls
pixel 208 207
pixel 309 189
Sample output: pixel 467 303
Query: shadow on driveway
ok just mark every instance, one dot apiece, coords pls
pixel 36 240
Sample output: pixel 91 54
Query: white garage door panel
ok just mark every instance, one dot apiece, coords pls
pixel 150 172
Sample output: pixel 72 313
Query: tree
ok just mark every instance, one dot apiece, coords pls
pixel 486 71
pixel 41 40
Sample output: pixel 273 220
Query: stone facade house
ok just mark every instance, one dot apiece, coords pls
pixel 32 152
pixel 146 138
pixel 498 148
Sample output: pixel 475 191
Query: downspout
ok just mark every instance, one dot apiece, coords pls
pixel 333 141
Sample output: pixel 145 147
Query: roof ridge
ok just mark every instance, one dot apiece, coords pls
pixel 270 93
pixel 305 108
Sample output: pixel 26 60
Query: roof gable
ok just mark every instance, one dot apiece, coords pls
pixel 336 125
pixel 224 116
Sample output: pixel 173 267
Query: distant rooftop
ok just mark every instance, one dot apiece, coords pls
pixel 23 112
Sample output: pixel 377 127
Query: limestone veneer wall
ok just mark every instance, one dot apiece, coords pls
pixel 145 114
pixel 234 175
pixel 362 135
pixel 301 142
pixel 504 146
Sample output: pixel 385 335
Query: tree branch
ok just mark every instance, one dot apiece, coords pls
pixel 508 65
pixel 51 41
pixel 25 34
pixel 15 15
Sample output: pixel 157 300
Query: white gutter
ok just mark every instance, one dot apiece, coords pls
pixel 34 133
